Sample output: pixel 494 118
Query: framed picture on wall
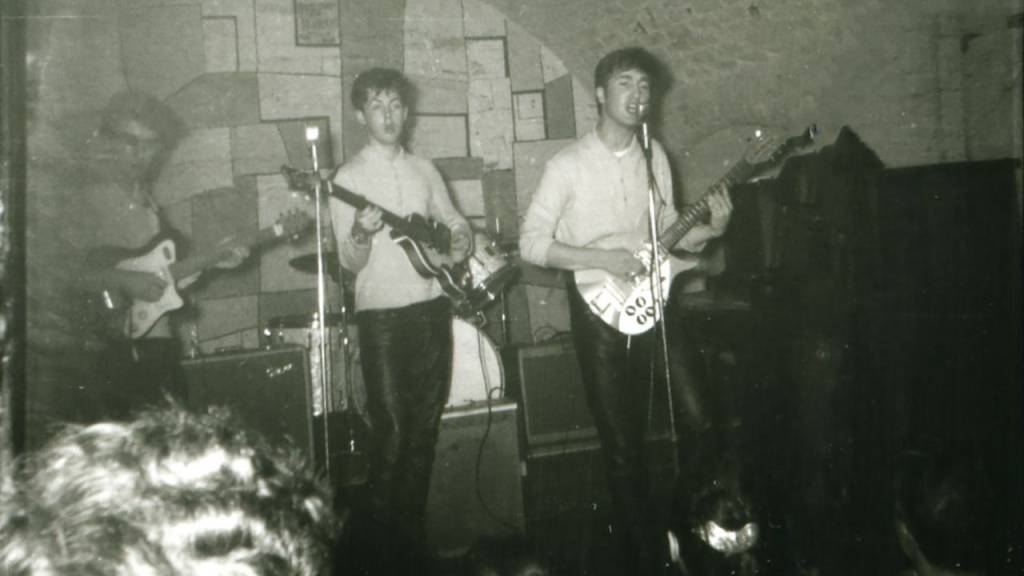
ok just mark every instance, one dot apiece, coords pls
pixel 317 23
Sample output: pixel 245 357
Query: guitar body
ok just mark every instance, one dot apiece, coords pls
pixel 470 285
pixel 628 304
pixel 143 315
pixel 430 263
pixel 136 318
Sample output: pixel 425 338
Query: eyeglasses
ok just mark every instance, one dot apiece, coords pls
pixel 131 140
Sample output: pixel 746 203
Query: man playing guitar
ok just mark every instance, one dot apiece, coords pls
pixel 404 321
pixel 588 210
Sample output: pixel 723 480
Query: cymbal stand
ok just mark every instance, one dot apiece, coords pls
pixel 312 137
pixel 654 277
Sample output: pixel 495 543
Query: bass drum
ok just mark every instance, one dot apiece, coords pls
pixel 476 368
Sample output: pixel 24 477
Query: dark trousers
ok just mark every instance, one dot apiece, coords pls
pixel 617 375
pixel 407 357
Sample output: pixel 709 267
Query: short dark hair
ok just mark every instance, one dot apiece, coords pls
pixel 169 492
pixel 381 80
pixel 632 58
pixel 146 109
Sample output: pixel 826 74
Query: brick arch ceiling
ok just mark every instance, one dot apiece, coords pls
pixel 779 63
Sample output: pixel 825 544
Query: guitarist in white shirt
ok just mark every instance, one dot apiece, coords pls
pixel 590 212
pixel 405 330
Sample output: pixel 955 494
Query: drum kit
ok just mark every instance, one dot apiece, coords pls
pixel 477 371
pixel 337 392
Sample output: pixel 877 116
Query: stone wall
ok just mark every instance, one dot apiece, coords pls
pixel 503 84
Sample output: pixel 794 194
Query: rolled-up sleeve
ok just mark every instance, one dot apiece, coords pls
pixel 538 230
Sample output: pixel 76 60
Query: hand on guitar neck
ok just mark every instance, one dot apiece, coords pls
pixel 623 298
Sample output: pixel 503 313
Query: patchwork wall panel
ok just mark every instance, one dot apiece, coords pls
pixel 202 161
pixel 491 132
pixel 243 13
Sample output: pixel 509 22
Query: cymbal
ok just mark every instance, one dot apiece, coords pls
pixel 307 263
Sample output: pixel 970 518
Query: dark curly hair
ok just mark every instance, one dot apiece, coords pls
pixel 170 493
pixel 381 80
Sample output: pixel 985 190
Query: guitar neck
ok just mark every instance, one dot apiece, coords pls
pixel 359 202
pixel 740 172
pixel 699 210
pixel 415 227
pixel 200 262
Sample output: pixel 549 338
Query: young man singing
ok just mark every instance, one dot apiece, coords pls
pixel 588 212
pixel 404 320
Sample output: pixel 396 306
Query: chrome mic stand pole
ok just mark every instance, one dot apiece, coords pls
pixel 313 136
pixel 654 277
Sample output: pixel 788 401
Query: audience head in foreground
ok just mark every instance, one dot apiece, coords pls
pixel 715 530
pixel 169 493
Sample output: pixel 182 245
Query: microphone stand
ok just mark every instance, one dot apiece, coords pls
pixel 312 136
pixel 654 277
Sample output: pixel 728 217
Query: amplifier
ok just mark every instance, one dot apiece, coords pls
pixel 476 487
pixel 555 410
pixel 268 389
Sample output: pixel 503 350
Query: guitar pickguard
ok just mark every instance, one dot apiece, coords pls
pixel 144 315
pixel 629 305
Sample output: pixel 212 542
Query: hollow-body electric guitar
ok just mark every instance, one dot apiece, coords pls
pixel 628 304
pixel 427 245
pixel 134 318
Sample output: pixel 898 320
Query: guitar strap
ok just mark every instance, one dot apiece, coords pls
pixel 166 229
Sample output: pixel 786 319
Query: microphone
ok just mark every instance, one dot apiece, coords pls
pixel 312 137
pixel 645 136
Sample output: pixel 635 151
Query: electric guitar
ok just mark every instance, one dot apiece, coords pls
pixel 628 304
pixel 134 318
pixel 426 243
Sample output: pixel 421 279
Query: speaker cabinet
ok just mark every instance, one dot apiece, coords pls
pixel 555 410
pixel 268 389
pixel 476 486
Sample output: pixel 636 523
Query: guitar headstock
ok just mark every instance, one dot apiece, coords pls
pixel 763 153
pixel 299 180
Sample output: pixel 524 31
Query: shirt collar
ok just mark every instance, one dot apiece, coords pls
pixel 596 143
pixel 378 154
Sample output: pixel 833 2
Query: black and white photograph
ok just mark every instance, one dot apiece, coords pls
pixel 511 287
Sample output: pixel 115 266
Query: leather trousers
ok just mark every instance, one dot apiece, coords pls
pixel 617 372
pixel 406 357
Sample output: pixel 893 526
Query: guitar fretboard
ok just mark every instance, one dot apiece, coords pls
pixel 740 172
pixel 198 263
pixel 699 210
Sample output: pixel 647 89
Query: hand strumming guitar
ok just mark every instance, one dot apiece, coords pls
pixel 622 263
pixel 462 244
